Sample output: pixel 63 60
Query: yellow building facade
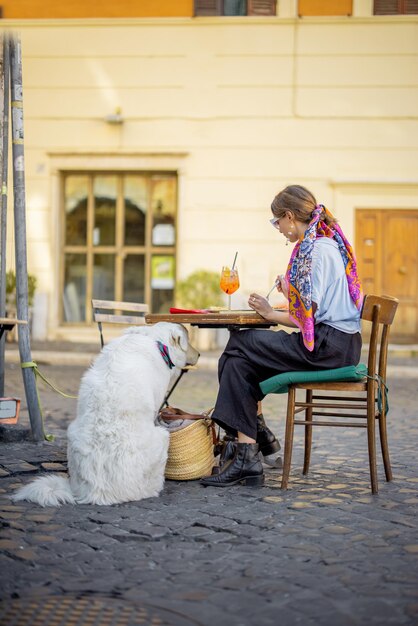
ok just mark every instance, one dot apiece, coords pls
pixel 201 121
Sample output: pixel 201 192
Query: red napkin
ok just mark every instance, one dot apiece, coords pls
pixel 174 310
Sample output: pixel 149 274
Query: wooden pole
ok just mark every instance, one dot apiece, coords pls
pixel 28 374
pixel 4 147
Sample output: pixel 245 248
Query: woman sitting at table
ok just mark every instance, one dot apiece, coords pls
pixel 325 298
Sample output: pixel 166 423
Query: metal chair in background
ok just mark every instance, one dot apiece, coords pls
pixel 128 314
pixel 114 312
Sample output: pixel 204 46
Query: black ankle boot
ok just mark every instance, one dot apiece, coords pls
pixel 265 438
pixel 229 446
pixel 244 468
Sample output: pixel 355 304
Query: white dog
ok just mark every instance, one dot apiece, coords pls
pixel 116 453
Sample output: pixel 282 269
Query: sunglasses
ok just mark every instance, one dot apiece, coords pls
pixel 274 221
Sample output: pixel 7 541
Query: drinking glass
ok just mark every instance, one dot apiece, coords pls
pixel 229 282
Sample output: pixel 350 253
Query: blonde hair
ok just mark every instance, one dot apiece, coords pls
pixel 299 201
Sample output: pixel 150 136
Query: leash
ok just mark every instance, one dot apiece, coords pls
pixel 39 374
pixel 382 392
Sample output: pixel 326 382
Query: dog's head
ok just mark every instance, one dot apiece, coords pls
pixel 179 340
pixel 175 337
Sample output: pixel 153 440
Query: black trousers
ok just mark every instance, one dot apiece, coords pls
pixel 253 355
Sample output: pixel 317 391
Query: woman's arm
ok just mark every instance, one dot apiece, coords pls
pixel 262 306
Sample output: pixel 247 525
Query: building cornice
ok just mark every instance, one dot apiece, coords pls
pixel 13 24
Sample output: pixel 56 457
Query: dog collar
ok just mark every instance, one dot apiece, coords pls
pixel 165 354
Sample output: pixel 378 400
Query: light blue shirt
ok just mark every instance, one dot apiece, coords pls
pixel 330 288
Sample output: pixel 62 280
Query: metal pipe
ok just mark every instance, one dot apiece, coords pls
pixel 29 378
pixel 3 216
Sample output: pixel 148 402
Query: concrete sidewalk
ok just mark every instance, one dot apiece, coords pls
pixel 324 553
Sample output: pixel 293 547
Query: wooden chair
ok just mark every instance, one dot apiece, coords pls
pixel 113 312
pixel 368 405
pixel 131 314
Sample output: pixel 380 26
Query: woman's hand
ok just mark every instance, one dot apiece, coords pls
pixel 282 285
pixel 261 305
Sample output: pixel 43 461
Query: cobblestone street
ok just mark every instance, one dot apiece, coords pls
pixel 326 552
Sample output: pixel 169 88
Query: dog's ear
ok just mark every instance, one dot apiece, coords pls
pixel 179 337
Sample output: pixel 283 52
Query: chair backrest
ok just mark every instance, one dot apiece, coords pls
pixel 380 311
pixel 114 312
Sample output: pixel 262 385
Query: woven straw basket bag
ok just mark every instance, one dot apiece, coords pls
pixel 190 453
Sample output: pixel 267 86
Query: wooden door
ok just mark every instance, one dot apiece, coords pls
pixel 387 256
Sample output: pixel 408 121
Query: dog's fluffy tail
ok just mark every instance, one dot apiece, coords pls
pixel 52 490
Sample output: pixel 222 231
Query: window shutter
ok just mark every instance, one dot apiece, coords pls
pixel 325 7
pixel 411 7
pixel 386 7
pixel 395 7
pixel 208 7
pixel 261 7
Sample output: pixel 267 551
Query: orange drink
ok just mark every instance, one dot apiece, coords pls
pixel 229 282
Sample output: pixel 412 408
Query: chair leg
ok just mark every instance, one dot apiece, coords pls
pixel 288 441
pixel 384 445
pixel 308 433
pixel 371 440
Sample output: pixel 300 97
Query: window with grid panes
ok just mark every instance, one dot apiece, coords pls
pixel 395 7
pixel 234 7
pixel 119 240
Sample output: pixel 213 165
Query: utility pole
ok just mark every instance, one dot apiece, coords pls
pixel 4 143
pixel 29 377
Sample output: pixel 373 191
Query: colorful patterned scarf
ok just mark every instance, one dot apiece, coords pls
pixel 299 274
